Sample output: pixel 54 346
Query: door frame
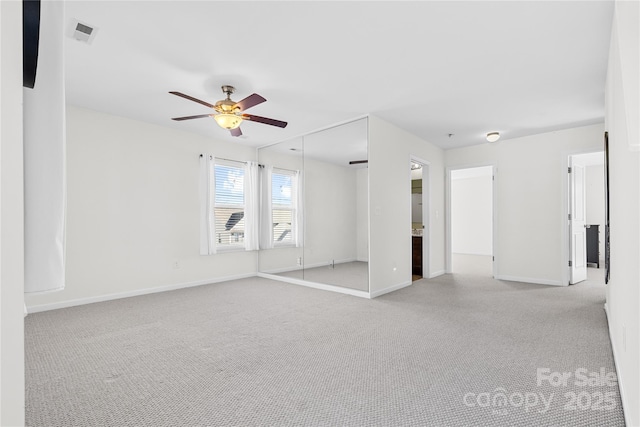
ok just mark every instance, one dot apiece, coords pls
pixel 564 228
pixel 426 213
pixel 577 223
pixel 494 207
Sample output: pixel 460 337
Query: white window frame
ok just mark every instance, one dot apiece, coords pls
pixel 291 242
pixel 236 246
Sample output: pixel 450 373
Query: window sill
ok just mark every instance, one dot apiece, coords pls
pixel 227 249
pixel 284 245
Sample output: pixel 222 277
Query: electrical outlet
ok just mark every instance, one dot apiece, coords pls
pixel 299 260
pixel 176 265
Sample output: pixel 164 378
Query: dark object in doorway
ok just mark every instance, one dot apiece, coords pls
pixel 593 244
pixel 607 243
pixel 30 41
pixel 416 263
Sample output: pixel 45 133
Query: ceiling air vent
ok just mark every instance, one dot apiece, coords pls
pixel 83 32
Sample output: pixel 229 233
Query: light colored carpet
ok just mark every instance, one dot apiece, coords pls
pixel 353 275
pixel 260 352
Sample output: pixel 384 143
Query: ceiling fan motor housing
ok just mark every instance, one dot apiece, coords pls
pixel 227 106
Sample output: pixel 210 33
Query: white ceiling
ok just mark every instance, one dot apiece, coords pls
pixel 433 68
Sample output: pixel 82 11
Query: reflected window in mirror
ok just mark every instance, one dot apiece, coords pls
pixel 284 207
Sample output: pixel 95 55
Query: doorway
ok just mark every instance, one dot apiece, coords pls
pixel 420 219
pixel 586 216
pixel 471 221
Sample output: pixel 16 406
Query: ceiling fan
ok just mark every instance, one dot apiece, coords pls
pixel 230 114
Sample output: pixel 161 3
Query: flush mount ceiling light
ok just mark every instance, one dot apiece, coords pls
pixel 493 136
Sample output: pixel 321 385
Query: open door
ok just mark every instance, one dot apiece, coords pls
pixel 420 220
pixel 577 224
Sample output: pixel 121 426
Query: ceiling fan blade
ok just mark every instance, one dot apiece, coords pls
pixel 250 101
pixel 265 120
pixel 191 98
pixel 199 116
pixel 236 132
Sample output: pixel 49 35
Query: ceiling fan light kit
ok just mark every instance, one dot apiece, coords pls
pixel 228 121
pixel 493 136
pixel 228 113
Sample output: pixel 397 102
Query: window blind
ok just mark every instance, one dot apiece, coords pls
pixel 283 207
pixel 229 204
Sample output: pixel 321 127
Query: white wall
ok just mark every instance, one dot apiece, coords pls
pixel 44 153
pixel 133 209
pixel 531 178
pixel 362 214
pixel 329 214
pixel 623 123
pixel 390 149
pixel 11 218
pixel 594 189
pixel 472 214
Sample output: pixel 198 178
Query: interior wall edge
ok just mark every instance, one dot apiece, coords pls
pixel 437 273
pixel 12 368
pixel 390 150
pixel 390 289
pixel 621 383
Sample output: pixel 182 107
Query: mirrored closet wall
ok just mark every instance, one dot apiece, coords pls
pixel 320 199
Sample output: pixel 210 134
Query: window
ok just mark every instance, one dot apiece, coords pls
pixel 283 206
pixel 244 205
pixel 229 204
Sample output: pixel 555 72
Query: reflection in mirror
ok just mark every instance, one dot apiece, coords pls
pixel 333 244
pixel 281 207
pixel 335 181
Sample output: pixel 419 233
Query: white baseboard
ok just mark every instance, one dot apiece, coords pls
pixel 127 294
pixel 300 267
pixel 531 280
pixel 436 274
pixel 321 286
pixel 389 289
pixel 283 270
pixel 625 403
pixel 326 263
pixel 471 253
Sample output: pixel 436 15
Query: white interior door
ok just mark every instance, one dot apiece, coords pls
pixel 577 229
